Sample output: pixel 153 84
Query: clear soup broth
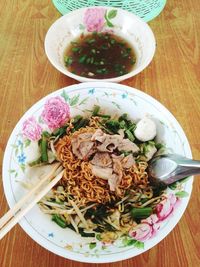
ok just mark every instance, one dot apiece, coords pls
pixel 99 56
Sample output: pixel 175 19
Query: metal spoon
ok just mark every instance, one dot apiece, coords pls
pixel 170 168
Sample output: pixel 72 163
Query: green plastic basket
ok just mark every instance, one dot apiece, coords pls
pixel 145 9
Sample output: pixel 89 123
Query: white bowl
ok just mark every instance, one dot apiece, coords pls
pixel 125 24
pixel 113 99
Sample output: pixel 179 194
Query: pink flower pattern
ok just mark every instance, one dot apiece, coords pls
pixel 94 19
pixel 149 226
pixel 31 129
pixel 146 229
pixel 166 207
pixel 56 112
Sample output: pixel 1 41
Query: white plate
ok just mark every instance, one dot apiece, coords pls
pixel 115 99
pixel 125 24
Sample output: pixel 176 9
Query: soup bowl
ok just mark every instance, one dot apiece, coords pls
pixel 121 23
pixel 114 99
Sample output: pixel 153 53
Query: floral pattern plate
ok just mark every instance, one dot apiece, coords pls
pixel 113 99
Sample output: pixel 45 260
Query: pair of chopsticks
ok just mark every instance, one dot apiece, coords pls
pixel 13 216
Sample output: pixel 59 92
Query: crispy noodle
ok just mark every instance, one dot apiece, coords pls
pixel 79 181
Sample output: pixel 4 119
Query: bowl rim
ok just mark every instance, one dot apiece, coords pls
pixel 115 79
pixel 79 257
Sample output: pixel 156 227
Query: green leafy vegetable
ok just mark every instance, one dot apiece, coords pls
pixel 44 145
pixel 84 234
pixel 113 125
pixel 57 219
pixel 75 49
pixel 81 123
pixel 60 131
pixel 77 119
pixel 90 41
pixel 92 245
pixel 96 113
pixel 68 61
pixel 35 162
pixel 141 213
pixel 82 59
pixel 130 135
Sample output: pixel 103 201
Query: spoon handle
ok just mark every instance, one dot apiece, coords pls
pixel 172 168
pixel 185 162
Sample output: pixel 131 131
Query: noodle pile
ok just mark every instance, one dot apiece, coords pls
pixel 79 181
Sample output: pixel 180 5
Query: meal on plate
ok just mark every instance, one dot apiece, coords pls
pixel 105 189
pixel 99 55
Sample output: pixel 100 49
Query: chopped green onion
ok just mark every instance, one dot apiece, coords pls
pixel 68 61
pixel 102 71
pixel 46 134
pixel 82 58
pixel 44 145
pixel 113 125
pixel 141 213
pixel 159 146
pixel 112 41
pixel 75 49
pixel 90 41
pixel 132 127
pixel 84 234
pixel 74 43
pixel 122 124
pixel 123 117
pixel 77 118
pixel 92 60
pixel 133 60
pixel 57 219
pixel 104 116
pixel 105 47
pixel 81 123
pixel 88 60
pixel 130 135
pixel 35 162
pixel 60 131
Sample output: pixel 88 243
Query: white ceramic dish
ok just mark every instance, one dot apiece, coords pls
pixel 114 99
pixel 125 24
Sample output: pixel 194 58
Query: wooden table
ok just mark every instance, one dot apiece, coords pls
pixel 173 78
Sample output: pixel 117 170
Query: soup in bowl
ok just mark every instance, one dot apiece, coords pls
pixel 100 43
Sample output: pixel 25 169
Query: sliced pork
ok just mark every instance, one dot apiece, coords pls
pixel 127 145
pixel 102 159
pixel 110 143
pixel 82 146
pixel 128 161
pixel 101 172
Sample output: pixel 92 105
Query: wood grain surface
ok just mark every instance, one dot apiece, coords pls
pixel 173 78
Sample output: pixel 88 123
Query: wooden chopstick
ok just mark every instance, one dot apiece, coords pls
pixel 19 204
pixel 12 217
